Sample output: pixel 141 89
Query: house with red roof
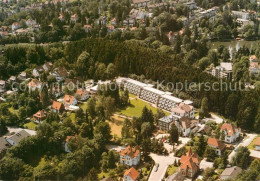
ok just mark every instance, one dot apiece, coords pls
pixel 231 132
pixel 218 145
pixel 39 116
pixel 81 94
pixel 57 107
pixel 69 100
pixel 131 174
pixel 130 156
pixel 189 164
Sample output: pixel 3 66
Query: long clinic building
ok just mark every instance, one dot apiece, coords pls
pixel 147 92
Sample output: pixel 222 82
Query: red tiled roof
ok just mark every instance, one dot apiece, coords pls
pixel 68 99
pixel 189 154
pixel 81 92
pixel 230 129
pixel 132 172
pixel 257 141
pixel 40 114
pixel 130 151
pixel 56 105
pixel 216 143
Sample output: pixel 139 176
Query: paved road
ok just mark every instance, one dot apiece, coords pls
pixel 16 130
pixel 115 147
pixel 245 143
pixel 164 162
pixel 204 164
pixel 216 118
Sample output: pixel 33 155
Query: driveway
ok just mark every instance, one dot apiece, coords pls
pixel 115 147
pixel 245 143
pixel 184 141
pixel 16 130
pixel 204 164
pixel 164 162
pixel 216 118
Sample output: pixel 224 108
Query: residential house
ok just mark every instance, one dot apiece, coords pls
pixel 74 18
pixel 87 28
pixel 15 26
pixel 69 100
pixel 2 86
pixel 254 69
pixel 157 5
pixel 141 3
pixel 130 156
pixel 257 143
pixel 131 174
pixel 60 73
pixel 183 110
pixel 253 58
pixel 47 66
pixel 57 91
pixel 37 72
pixel 184 126
pixel 189 164
pixel 114 22
pixel 57 107
pixel 16 138
pixel 218 145
pixel 110 28
pixel 35 84
pixel 30 22
pixel 22 76
pixel 66 144
pixel 231 132
pixel 39 116
pixel 82 94
pixel 3 145
pixel 230 173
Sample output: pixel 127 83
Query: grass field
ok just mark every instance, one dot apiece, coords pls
pixel 171 169
pixel 73 117
pixel 31 125
pixel 116 125
pixel 84 106
pixel 251 146
pixel 136 106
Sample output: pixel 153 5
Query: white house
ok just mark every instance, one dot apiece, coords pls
pixel 47 66
pixel 37 72
pixel 231 132
pixel 130 156
pixel 16 138
pixel 131 174
pixel 218 145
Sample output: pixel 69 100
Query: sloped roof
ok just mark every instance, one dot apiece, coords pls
pixel 56 105
pixel 132 172
pixel 185 122
pixel 68 99
pixel 257 141
pixel 217 143
pixel 130 151
pixel 229 128
pixel 232 171
pixel 190 154
pixel 40 114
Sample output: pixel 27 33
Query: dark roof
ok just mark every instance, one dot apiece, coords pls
pixel 19 136
pixel 3 144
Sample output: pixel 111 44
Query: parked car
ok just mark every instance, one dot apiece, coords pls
pixel 156 167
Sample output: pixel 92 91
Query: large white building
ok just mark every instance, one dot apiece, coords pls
pixel 160 99
pixel 241 15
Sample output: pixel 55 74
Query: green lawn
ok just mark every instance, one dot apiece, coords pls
pixel 171 170
pixel 251 146
pixel 84 106
pixel 31 125
pixel 136 106
pixel 73 117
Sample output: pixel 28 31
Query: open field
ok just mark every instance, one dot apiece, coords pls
pixel 136 106
pixel 116 125
pixel 30 125
pixel 251 146
pixel 171 169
